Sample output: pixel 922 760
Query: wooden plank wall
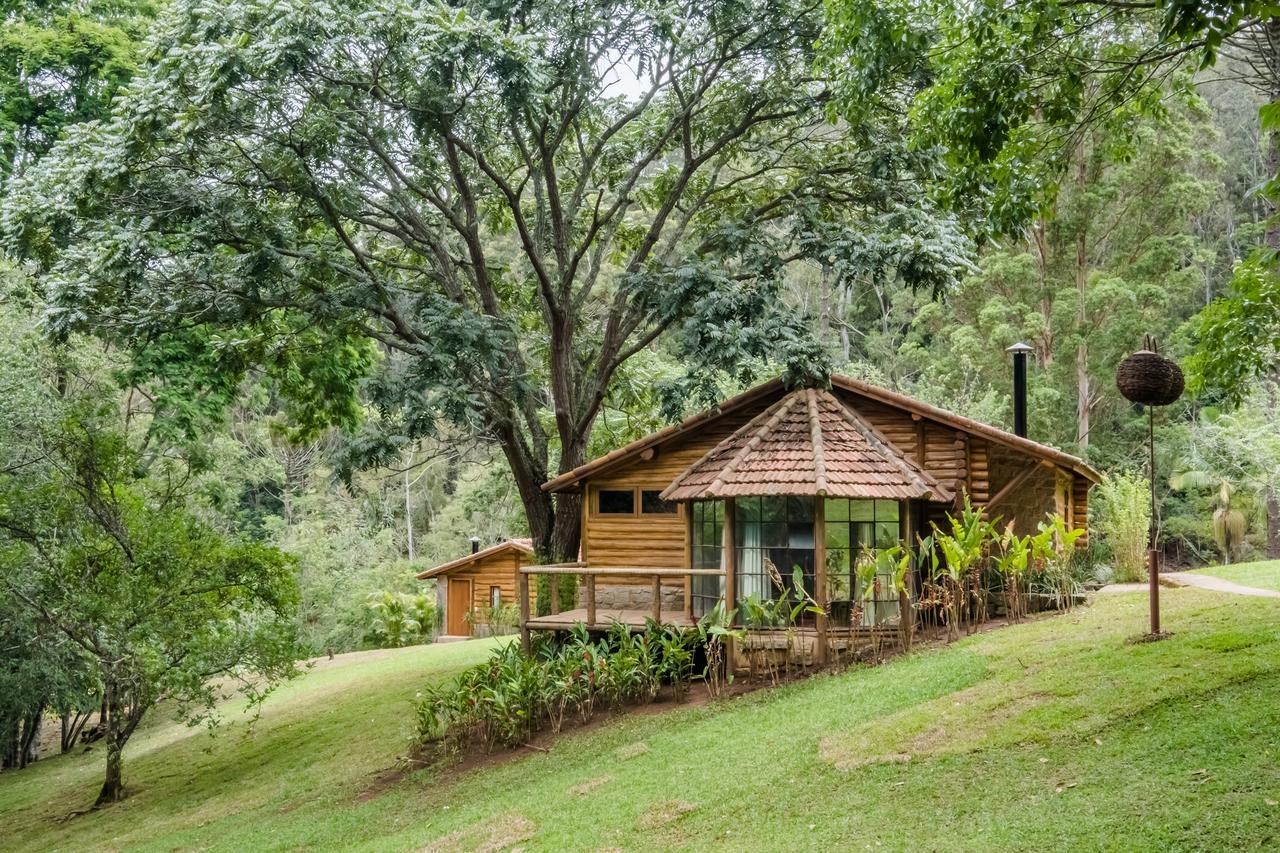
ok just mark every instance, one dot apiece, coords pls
pixel 650 541
pixel 496 570
pixel 956 459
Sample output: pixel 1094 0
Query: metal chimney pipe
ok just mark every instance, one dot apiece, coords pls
pixel 475 544
pixel 1019 351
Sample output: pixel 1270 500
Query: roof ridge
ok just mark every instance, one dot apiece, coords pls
pixel 815 436
pixel 882 445
pixel 783 406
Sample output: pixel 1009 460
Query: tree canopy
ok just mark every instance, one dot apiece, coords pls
pixel 511 200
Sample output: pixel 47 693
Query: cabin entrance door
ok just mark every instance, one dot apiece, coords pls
pixel 458 605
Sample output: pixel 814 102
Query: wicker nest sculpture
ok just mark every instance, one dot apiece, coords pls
pixel 1149 378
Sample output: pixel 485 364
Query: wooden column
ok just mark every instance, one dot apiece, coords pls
pixel 687 509
pixel 657 599
pixel 820 578
pixel 522 586
pixel 591 601
pixel 730 561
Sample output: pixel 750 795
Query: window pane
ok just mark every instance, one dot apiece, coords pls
pixel 862 510
pixel 773 535
pixel 652 504
pixel 836 509
pixel 837 534
pixel 799 508
pixel 886 534
pixel 800 535
pixel 861 534
pixel 617 502
pixel 773 509
pixel 747 509
pixel 717 510
pixel 887 510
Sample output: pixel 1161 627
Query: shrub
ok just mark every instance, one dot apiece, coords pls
pixel 1123 518
pixel 513 695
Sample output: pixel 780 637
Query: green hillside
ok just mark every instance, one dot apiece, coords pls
pixel 1053 733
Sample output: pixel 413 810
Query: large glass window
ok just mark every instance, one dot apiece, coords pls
pixel 774 536
pixel 708 553
pixel 856 530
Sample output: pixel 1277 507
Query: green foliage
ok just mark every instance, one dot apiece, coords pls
pixel 399 619
pixel 62 63
pixel 103 552
pixel 1239 334
pixel 1121 513
pixel 508 699
pixel 469 190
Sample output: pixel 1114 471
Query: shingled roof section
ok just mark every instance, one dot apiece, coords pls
pixel 807 443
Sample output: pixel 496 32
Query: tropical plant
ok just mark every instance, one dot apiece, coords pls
pixel 1229 524
pixel 962 549
pixel 1122 516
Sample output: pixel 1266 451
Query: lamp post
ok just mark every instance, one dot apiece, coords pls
pixel 1151 380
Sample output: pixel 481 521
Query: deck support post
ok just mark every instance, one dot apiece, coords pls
pixel 821 641
pixel 591 601
pixel 522 583
pixel 730 561
pixel 687 509
pixel 657 599
pixel 554 586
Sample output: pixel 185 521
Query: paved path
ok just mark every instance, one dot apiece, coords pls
pixel 1218 584
pixel 1199 581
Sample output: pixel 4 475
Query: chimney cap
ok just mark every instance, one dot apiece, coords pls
pixel 1019 348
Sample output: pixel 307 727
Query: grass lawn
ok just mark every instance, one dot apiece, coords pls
pixel 1051 734
pixel 1265 574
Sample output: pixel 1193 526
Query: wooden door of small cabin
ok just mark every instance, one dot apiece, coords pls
pixel 457 607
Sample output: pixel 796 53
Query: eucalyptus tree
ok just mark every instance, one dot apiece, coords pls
pixel 511 200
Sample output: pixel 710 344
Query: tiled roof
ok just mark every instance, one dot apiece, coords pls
pixel 807 443
pixel 623 455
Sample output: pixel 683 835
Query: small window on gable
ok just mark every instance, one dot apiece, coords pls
pixel 616 502
pixel 495 596
pixel 651 503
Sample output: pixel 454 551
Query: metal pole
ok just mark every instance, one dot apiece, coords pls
pixel 1153 555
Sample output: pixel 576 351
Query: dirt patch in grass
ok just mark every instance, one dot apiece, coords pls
pixel 631 750
pixel 489 836
pixel 665 813
pixel 590 785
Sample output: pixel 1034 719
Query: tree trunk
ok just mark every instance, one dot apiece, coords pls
pixel 1273 524
pixel 112 727
pixel 1084 393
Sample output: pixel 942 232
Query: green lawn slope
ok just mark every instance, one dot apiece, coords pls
pixel 1055 733
pixel 1263 575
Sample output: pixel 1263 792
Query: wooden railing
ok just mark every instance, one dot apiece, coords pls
pixel 589 575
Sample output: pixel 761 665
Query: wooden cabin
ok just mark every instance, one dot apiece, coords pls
pixel 469 587
pixel 718 506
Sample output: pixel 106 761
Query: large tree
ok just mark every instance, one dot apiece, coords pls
pixel 116 591
pixel 511 198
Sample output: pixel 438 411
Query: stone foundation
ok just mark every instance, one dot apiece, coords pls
pixel 624 597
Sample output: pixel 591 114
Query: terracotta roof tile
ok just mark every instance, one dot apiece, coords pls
pixel 807 443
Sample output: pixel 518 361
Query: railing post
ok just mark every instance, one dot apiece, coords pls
pixel 555 592
pixel 522 580
pixel 657 599
pixel 591 600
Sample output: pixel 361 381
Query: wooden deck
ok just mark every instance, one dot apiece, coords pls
pixel 605 617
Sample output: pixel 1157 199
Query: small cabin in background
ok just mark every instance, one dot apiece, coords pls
pixel 716 507
pixel 471 587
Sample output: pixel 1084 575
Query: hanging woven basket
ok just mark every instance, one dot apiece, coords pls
pixel 1149 378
